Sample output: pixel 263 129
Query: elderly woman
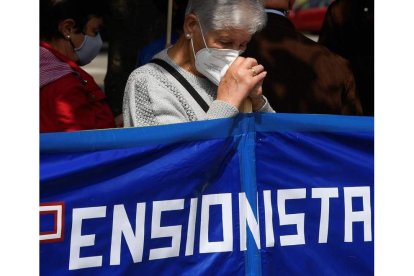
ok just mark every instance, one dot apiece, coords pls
pixel 202 76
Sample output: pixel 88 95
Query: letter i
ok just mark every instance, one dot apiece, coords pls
pixel 189 249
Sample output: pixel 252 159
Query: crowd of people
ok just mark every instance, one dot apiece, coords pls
pixel 223 54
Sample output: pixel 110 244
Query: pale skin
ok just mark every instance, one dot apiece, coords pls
pixel 244 77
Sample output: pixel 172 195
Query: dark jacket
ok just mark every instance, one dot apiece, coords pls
pixel 303 76
pixel 348 30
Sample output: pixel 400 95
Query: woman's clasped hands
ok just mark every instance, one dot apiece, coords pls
pixel 243 79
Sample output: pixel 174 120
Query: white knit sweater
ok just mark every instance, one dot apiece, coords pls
pixel 154 97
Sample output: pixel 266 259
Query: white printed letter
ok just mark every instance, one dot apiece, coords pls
pixel 77 240
pixel 121 226
pixel 166 231
pixel 270 236
pixel 285 219
pixel 189 249
pixel 324 194
pixel 226 217
pixel 246 214
pixel 364 215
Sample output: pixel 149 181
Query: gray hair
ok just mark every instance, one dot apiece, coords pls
pixel 248 15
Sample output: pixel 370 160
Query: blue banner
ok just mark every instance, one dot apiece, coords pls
pixel 259 194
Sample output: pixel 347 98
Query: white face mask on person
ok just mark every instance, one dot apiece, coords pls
pixel 213 63
pixel 89 49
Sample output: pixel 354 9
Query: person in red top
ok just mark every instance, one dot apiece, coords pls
pixel 70 99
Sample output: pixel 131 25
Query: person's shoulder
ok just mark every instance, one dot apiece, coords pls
pixel 301 42
pixel 69 89
pixel 147 79
pixel 329 56
pixel 319 49
pixel 142 72
pixel 332 65
pixel 149 70
pixel 69 83
pixel 51 68
pixel 320 57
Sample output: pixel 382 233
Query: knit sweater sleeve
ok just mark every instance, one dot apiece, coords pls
pixel 221 109
pixel 147 102
pixel 266 107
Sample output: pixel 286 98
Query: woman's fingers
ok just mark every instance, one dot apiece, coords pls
pixel 243 79
pixel 250 72
pixel 249 62
pixel 260 77
pixel 256 70
pixel 237 62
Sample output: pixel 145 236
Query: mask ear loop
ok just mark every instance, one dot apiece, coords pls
pixel 85 37
pixel 192 46
pixel 202 34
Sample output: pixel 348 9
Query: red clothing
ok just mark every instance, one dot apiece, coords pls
pixel 70 99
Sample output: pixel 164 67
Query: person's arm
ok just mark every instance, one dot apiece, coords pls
pixel 221 109
pixel 259 101
pixel 264 106
pixel 351 104
pixel 75 108
pixel 148 103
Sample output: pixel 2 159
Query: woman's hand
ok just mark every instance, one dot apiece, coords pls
pixel 243 78
pixel 119 121
pixel 256 97
pixel 256 94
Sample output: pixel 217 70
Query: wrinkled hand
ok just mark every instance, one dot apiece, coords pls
pixel 243 79
pixel 256 96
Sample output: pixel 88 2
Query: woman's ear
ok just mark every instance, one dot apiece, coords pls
pixel 190 24
pixel 66 27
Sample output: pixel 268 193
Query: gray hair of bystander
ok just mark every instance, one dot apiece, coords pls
pixel 248 15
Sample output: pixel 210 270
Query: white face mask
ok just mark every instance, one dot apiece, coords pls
pixel 213 63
